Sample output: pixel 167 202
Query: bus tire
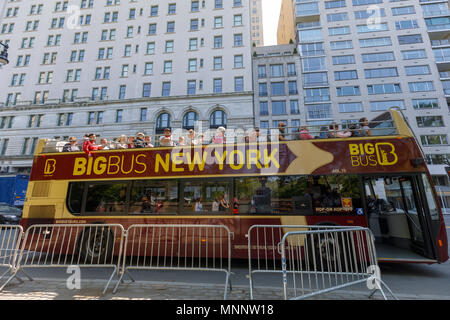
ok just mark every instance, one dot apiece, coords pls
pixel 324 253
pixel 95 245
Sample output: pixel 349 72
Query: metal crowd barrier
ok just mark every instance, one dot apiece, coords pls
pixel 177 247
pixel 321 261
pixel 81 245
pixel 265 253
pixel 10 240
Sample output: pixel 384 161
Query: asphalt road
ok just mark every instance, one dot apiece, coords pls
pixel 428 280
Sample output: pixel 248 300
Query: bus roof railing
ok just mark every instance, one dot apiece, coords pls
pixel 382 126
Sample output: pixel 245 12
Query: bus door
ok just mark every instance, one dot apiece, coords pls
pixel 398 216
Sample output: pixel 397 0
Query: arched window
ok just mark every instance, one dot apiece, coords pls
pixel 189 120
pixel 163 121
pixel 218 119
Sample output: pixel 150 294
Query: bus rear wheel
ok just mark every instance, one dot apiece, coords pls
pixel 95 245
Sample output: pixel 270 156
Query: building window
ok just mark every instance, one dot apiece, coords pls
pixel 436 139
pixel 218 119
pixel 166 89
pixel 278 107
pixel 191 86
pixel 217 85
pixel 430 121
pixel 262 71
pixel 264 108
pixel 239 84
pixel 189 120
pixel 143 116
pixel 163 121
pixel 122 92
pixel 119 116
pixel 146 90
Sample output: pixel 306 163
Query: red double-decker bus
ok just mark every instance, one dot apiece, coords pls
pixel 379 181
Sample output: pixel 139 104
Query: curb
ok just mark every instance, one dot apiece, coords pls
pixel 241 288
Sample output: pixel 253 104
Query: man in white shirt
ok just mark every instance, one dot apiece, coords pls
pixel 166 139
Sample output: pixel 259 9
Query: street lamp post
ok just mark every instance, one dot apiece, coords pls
pixel 4 54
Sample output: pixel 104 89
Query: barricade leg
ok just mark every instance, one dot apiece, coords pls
pixel 227 285
pixel 380 288
pixel 251 286
pixel 110 279
pixel 120 281
pixel 4 273
pixel 13 276
pixel 25 274
pixel 10 240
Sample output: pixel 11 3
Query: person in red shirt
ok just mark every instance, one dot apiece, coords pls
pixel 89 145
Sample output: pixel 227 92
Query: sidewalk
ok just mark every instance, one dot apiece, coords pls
pixel 50 289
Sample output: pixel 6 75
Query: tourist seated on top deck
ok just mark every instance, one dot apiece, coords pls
pixel 191 138
pixel 354 131
pixel 324 133
pixel 200 139
pixel 139 142
pixel 89 145
pixel 131 143
pixel 255 136
pixel 220 136
pixel 364 128
pixel 122 142
pixel 148 142
pixel 304 133
pixel 104 144
pixel 336 133
pixel 281 128
pixel 181 141
pixel 166 140
pixel 72 146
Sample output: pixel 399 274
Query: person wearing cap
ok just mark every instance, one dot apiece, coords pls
pixel 281 136
pixel 166 140
pixel 71 146
pixel 220 136
pixel 89 145
pixel 191 140
pixel 139 142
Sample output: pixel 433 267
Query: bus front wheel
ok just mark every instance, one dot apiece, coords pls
pixel 324 253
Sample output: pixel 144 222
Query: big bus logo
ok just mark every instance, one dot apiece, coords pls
pixel 50 166
pixel 369 154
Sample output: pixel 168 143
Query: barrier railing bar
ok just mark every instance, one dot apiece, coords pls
pixel 165 243
pixel 361 234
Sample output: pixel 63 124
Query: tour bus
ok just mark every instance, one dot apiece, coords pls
pixel 379 181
